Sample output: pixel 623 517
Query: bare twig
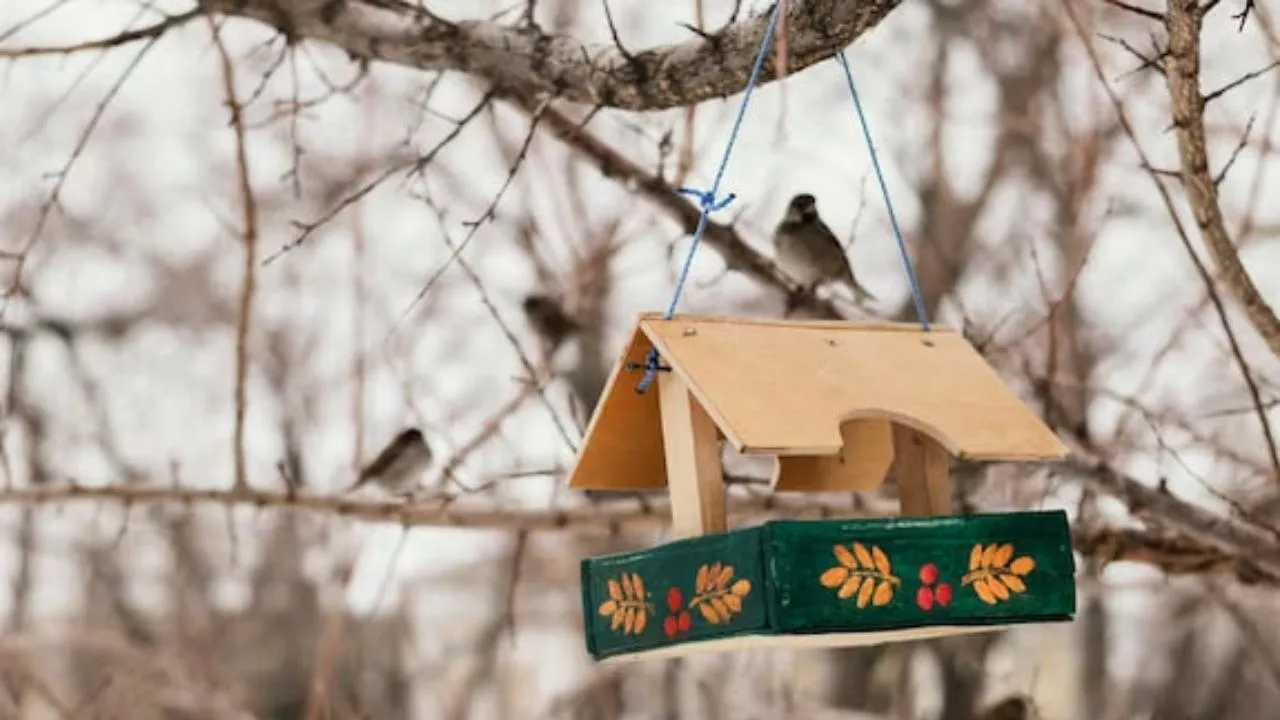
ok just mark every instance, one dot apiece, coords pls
pixel 473 226
pixel 250 220
pixel 151 32
pixel 534 376
pixel 1210 97
pixel 416 166
pixel 1244 140
pixel 82 141
pixel 487 430
pixel 1143 12
pixel 738 255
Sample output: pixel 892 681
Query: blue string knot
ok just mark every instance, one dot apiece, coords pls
pixel 651 368
pixel 707 199
pixel 709 204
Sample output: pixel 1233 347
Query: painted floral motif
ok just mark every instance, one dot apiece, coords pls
pixel 929 592
pixel 866 574
pixel 717 596
pixel 678 621
pixel 995 574
pixel 714 597
pixel 627 607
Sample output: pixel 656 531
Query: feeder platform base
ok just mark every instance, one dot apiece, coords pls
pixel 795 584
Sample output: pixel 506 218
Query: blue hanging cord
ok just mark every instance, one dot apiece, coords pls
pixel 708 199
pixel 884 190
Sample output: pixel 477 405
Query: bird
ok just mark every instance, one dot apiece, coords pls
pixel 807 250
pixel 398 468
pixel 548 320
pixel 1015 707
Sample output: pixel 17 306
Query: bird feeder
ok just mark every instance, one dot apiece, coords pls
pixel 839 404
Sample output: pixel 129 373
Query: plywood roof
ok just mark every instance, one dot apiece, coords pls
pixel 786 387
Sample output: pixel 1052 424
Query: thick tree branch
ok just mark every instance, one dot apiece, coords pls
pixel 1217 532
pixel 1183 20
pixel 1174 554
pixel 547 65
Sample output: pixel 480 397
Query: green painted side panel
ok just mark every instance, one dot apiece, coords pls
pixel 979 569
pixel 790 576
pixel 693 589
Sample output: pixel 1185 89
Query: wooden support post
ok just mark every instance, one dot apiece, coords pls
pixel 924 481
pixel 694 480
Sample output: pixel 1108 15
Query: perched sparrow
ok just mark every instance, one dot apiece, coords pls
pixel 808 251
pixel 548 320
pixel 398 468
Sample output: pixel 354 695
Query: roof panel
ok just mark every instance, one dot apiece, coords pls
pixel 785 388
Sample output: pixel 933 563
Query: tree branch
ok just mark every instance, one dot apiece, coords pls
pixel 1200 542
pixel 446 511
pixel 1183 74
pixel 1210 529
pixel 548 65
pixel 1174 554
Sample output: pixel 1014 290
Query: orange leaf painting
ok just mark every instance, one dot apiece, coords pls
pixel 627 606
pixel 863 573
pixel 715 596
pixel 995 574
pixel 844 557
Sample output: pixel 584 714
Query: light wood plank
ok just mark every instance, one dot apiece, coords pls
pixel 865 457
pixel 785 389
pixel 692 452
pixel 814 641
pixel 921 468
pixel 622 448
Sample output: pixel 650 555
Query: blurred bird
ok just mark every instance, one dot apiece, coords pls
pixel 399 467
pixel 1015 707
pixel 808 251
pixel 549 320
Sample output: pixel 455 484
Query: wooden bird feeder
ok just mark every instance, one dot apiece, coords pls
pixel 839 404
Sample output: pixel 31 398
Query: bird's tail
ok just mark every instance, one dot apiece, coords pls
pixel 361 479
pixel 861 296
